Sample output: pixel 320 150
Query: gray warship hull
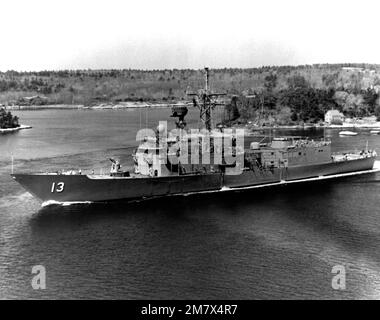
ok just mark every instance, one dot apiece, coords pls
pixel 102 188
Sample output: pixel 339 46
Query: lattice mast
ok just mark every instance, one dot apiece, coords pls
pixel 206 101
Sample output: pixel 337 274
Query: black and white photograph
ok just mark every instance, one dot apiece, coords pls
pixel 195 152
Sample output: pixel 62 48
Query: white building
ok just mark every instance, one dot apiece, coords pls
pixel 334 117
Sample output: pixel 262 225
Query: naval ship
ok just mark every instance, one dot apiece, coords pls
pixel 194 166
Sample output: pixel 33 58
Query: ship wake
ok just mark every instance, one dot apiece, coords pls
pixel 64 203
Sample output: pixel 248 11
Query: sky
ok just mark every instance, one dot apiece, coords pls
pixel 165 34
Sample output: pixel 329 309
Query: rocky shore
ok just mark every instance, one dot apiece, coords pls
pixel 102 106
pixel 21 127
pixel 251 129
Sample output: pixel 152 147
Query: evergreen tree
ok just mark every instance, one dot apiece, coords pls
pixel 7 121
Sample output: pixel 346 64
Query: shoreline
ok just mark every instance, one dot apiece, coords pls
pixel 136 105
pixel 21 127
pixel 299 127
pixel 102 106
pixel 346 125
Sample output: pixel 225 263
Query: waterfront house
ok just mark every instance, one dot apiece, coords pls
pixel 34 100
pixel 334 117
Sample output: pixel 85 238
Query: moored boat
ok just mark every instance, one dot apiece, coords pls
pixel 348 133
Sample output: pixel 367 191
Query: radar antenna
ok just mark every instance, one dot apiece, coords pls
pixel 206 101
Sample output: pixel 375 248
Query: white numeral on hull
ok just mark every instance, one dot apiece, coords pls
pixel 57 187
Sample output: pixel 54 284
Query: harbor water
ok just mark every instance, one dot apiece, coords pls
pixel 277 243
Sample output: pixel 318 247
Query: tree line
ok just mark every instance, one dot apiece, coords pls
pixel 300 102
pixel 7 120
pixel 284 94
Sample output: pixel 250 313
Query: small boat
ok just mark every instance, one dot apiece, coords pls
pixel 348 133
pixel 375 131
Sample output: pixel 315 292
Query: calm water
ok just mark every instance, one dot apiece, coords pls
pixel 279 243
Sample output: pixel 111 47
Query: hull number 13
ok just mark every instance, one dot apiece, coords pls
pixel 57 187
